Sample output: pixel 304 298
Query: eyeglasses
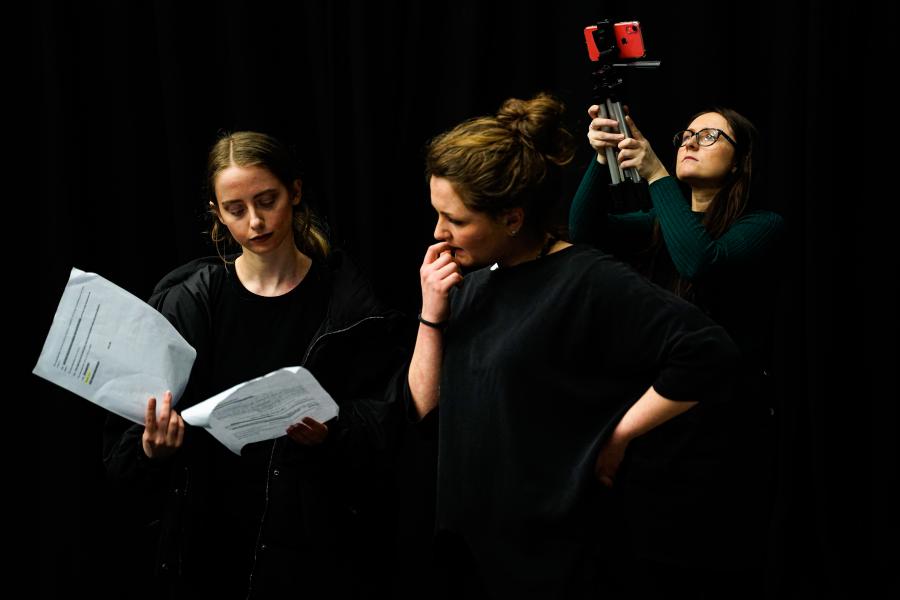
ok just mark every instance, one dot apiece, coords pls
pixel 705 137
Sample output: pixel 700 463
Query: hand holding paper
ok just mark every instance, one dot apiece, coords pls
pixel 164 435
pixel 308 432
pixel 262 408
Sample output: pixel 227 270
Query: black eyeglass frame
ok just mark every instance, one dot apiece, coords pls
pixel 678 140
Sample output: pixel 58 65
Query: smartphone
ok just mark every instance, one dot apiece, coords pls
pixel 629 40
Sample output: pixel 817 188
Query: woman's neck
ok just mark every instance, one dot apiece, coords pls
pixel 532 249
pixel 272 274
pixel 701 198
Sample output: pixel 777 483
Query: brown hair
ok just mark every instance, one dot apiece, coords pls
pixel 252 149
pixel 512 159
pixel 732 200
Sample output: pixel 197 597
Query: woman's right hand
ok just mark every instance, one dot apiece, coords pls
pixel 162 436
pixel 610 459
pixel 438 273
pixel 601 140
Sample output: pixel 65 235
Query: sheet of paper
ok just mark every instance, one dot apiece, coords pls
pixel 262 408
pixel 112 348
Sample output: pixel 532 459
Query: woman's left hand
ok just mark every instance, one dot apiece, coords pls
pixel 308 432
pixel 635 152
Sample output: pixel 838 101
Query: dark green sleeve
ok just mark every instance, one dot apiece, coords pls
pixel 693 250
pixel 587 215
pixel 590 221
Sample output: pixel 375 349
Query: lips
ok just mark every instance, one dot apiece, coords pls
pixel 261 238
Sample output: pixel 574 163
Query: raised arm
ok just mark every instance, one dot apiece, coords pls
pixel 438 274
pixel 590 218
pixel 693 249
pixel 587 215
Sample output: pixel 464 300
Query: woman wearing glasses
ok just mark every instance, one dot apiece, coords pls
pixel 705 239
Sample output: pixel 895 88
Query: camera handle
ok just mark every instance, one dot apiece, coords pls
pixel 612 109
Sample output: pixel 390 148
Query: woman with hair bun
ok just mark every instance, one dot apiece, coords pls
pixel 544 359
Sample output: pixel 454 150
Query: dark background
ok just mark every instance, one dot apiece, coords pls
pixel 131 96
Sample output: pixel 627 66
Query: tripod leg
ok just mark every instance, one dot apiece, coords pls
pixel 615 174
pixel 615 108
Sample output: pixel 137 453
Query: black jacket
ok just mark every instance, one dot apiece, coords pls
pixel 324 522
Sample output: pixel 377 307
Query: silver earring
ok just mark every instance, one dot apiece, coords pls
pixel 514 232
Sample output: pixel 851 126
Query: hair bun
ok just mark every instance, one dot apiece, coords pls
pixel 538 125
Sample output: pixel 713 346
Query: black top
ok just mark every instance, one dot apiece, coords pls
pixel 259 334
pixel 253 335
pixel 540 362
pixel 703 477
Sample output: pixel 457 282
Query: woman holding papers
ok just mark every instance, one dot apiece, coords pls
pixel 706 239
pixel 295 514
pixel 544 367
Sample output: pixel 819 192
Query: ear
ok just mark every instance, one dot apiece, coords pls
pixel 513 219
pixel 297 192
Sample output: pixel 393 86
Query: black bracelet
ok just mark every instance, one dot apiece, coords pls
pixel 439 326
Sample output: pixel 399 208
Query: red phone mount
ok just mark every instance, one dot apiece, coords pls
pixel 593 51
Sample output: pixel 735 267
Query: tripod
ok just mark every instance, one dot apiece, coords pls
pixel 606 79
pixel 602 48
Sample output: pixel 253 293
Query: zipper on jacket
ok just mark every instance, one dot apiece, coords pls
pixel 274 445
pixel 262 520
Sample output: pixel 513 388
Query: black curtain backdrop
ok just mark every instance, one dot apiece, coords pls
pixel 132 94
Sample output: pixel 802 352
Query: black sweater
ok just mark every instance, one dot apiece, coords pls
pixel 703 476
pixel 540 362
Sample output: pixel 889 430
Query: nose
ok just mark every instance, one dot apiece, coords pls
pixel 440 230
pixel 693 142
pixel 256 220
